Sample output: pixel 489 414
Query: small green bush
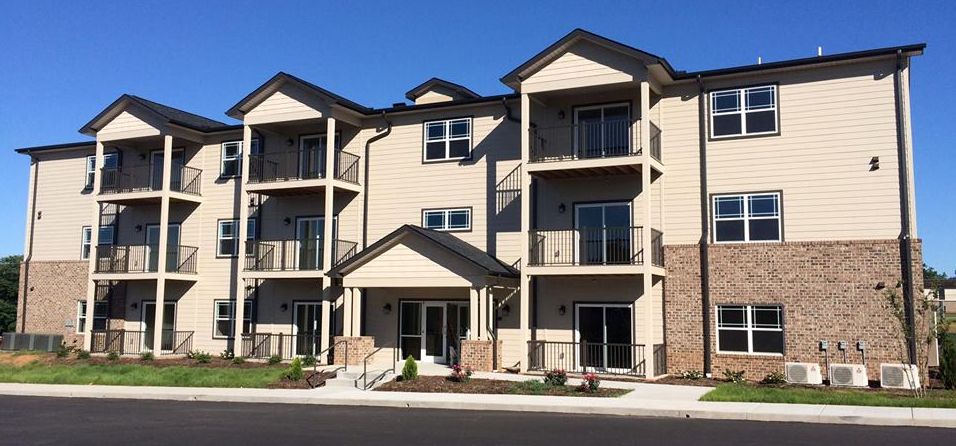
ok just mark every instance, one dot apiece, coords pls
pixel 64 350
pixel 238 360
pixel 200 356
pixel 734 376
pixel 227 354
pixel 275 359
pixel 295 373
pixel 693 375
pixel 82 354
pixel 146 356
pixel 410 370
pixel 774 378
pixel 112 356
pixel 556 377
pixel 947 360
pixel 309 360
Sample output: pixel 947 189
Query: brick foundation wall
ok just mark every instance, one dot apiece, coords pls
pixel 480 355
pixel 827 290
pixel 51 295
pixel 358 348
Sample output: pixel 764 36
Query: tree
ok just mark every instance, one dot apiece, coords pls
pixel 9 278
pixel 931 275
pixel 8 317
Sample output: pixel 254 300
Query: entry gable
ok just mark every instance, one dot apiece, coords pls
pixel 286 98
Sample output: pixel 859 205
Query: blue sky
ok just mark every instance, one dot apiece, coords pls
pixel 65 61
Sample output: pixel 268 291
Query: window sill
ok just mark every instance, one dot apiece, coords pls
pixel 751 355
pixel 747 136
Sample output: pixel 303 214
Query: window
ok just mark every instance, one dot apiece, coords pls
pixel 110 161
pixel 747 218
pixel 448 140
pixel 231 165
pixel 228 237
pixel 750 329
pixel 107 234
pixel 100 315
pixel 447 219
pixel 743 111
pixel 224 316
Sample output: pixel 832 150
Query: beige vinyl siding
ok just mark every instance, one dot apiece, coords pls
pixel 133 122
pixel 584 64
pixel 681 154
pixel 63 203
pixel 415 259
pixel 288 103
pixel 431 97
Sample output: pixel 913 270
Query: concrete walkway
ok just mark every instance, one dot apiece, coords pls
pixel 647 400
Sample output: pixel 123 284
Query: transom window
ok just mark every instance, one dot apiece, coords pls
pixel 231 164
pixel 458 219
pixel 224 316
pixel 747 218
pixel 228 237
pixel 107 236
pixel 448 139
pixel 100 315
pixel 743 111
pixel 110 161
pixel 750 329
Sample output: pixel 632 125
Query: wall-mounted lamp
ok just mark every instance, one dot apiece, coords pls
pixel 284 307
pixel 289 142
pixel 39 215
pixel 252 201
pixel 134 305
pixel 562 208
pixel 505 310
pixel 387 308
pixel 562 310
pixel 287 221
pixel 560 114
pixel 142 156
pixel 139 228
pixel 874 163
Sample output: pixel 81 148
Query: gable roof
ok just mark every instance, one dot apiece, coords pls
pixel 166 113
pixel 236 111
pixel 430 84
pixel 491 265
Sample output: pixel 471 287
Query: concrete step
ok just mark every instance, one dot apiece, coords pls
pixel 353 378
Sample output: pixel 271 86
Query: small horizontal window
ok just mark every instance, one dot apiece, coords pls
pixel 447 219
pixel 447 140
pixel 110 161
pixel 750 329
pixel 225 318
pixel 743 111
pixel 747 218
pixel 227 237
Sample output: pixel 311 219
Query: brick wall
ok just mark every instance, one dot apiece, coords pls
pixel 358 348
pixel 51 295
pixel 827 290
pixel 479 355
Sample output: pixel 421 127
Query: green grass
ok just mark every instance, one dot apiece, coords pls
pixel 140 375
pixel 845 397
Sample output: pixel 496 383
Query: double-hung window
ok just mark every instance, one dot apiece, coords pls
pixel 107 236
pixel 231 160
pixel 750 329
pixel 110 161
pixel 743 111
pixel 747 218
pixel 458 219
pixel 224 315
pixel 449 139
pixel 100 315
pixel 228 237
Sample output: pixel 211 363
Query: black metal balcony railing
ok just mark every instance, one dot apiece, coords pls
pixel 284 255
pixel 145 259
pixel 586 357
pixel 136 342
pixel 586 246
pixel 118 180
pixel 347 167
pixel 286 166
pixel 583 141
pixel 285 346
pixel 343 250
pixel 655 142
pixel 657 248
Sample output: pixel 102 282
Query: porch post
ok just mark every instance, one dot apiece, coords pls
pixel 357 312
pixel 324 334
pixel 327 231
pixel 94 243
pixel 474 301
pixel 243 205
pixel 524 314
pixel 646 236
pixel 347 312
pixel 163 247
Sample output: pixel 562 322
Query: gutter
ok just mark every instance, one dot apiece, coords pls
pixel 704 229
pixel 906 249
pixel 368 146
pixel 26 260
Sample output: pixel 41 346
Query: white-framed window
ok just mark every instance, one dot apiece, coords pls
pixel 224 318
pixel 100 315
pixel 228 237
pixel 752 329
pixel 743 111
pixel 754 217
pixel 110 161
pixel 455 219
pixel 231 157
pixel 448 139
pixel 107 237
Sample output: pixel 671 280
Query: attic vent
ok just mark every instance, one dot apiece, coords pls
pixel 399 105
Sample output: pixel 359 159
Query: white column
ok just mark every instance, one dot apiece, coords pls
pixel 325 324
pixel 163 243
pixel 525 295
pixel 357 310
pixel 243 235
pixel 647 223
pixel 347 309
pixel 94 242
pixel 474 297
pixel 327 242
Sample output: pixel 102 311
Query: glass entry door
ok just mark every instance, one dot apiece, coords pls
pixel 152 247
pixel 602 130
pixel 156 170
pixel 307 327
pixel 432 331
pixel 605 333
pixel 149 324
pixel 604 233
pixel 308 234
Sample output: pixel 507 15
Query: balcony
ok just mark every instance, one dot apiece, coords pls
pixel 131 261
pixel 285 346
pixel 127 342
pixel 131 184
pixel 300 171
pixel 611 250
pixel 592 148
pixel 294 258
pixel 588 357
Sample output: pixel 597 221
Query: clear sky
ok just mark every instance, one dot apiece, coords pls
pixel 63 62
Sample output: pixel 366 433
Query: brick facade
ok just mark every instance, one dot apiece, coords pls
pixel 828 291
pixel 358 348
pixel 51 295
pixel 480 355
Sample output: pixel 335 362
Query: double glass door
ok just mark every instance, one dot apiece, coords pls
pixel 149 325
pixel 172 248
pixel 602 130
pixel 605 333
pixel 156 170
pixel 312 155
pixel 604 234
pixel 307 328
pixel 432 331
pixel 309 233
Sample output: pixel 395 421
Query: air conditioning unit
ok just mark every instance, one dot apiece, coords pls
pixel 848 375
pixel 899 376
pixel 803 373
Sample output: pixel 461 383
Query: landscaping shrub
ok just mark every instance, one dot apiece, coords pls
pixel 692 375
pixel 309 360
pixel 774 378
pixel 112 356
pixel 275 359
pixel 200 356
pixel 295 373
pixel 227 354
pixel 947 361
pixel 556 377
pixel 589 383
pixel 146 356
pixel 734 376
pixel 64 350
pixel 410 370
pixel 82 354
pixel 238 360
pixel 458 374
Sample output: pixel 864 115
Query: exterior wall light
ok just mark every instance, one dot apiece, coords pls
pixel 284 307
pixel 562 310
pixel 287 221
pixel 387 308
pixel 562 208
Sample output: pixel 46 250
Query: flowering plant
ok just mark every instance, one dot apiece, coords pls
pixel 460 374
pixel 589 383
pixel 556 377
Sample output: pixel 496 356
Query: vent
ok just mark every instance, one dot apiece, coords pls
pixel 29 341
pixel 803 373
pixel 899 376
pixel 852 375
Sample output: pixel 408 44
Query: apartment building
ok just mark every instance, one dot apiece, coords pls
pixel 611 214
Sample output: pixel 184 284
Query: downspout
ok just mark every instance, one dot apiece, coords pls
pixel 26 260
pixel 906 250
pixel 508 115
pixel 368 151
pixel 704 228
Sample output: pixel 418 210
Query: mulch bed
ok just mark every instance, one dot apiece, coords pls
pixel 302 383
pixel 441 384
pixel 159 361
pixel 678 381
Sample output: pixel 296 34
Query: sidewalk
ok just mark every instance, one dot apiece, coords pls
pixel 647 400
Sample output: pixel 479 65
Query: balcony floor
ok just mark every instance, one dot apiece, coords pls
pixel 300 187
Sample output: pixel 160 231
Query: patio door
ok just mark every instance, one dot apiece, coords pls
pixel 312 153
pixel 431 331
pixel 602 130
pixel 156 170
pixel 307 319
pixel 172 244
pixel 149 324
pixel 605 333
pixel 308 234
pixel 603 232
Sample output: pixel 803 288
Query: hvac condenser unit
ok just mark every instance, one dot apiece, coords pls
pixel 848 375
pixel 899 376
pixel 803 373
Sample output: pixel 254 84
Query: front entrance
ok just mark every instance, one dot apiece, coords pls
pixel 605 335
pixel 149 324
pixel 306 328
pixel 432 331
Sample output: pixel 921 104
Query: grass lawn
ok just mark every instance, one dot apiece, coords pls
pixel 845 397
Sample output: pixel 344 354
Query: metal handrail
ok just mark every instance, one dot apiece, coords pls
pixel 365 384
pixel 315 365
